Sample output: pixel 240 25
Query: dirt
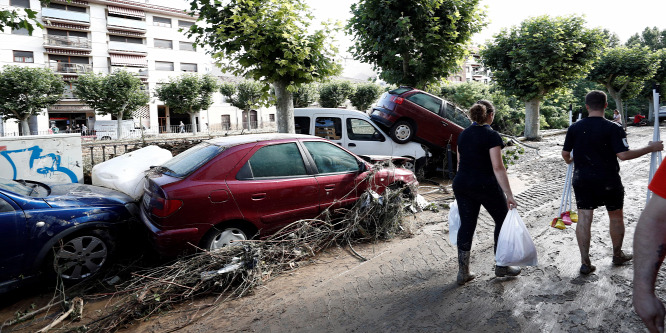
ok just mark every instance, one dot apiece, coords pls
pixel 408 284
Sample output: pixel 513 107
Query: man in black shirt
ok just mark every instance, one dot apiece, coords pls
pixel 597 143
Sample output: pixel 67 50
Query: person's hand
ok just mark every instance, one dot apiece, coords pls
pixel 651 311
pixel 511 202
pixel 656 145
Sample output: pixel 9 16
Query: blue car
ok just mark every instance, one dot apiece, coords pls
pixel 58 230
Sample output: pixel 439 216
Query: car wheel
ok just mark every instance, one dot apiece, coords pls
pixel 402 131
pixel 219 237
pixel 409 165
pixel 81 256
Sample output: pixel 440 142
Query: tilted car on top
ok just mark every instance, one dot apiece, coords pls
pixel 236 187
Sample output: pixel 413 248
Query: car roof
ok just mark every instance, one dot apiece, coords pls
pixel 330 110
pixel 235 140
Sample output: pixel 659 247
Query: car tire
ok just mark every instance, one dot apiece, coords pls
pixel 221 236
pixel 80 256
pixel 402 131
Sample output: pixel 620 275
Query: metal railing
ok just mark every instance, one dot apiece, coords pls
pixel 67 41
pixel 66 67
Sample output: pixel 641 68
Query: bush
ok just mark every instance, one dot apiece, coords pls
pixel 365 95
pixel 334 94
pixel 305 95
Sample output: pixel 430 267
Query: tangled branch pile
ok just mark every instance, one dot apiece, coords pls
pixel 234 271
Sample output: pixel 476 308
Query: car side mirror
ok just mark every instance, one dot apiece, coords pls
pixel 362 167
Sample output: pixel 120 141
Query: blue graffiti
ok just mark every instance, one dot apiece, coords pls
pixel 36 154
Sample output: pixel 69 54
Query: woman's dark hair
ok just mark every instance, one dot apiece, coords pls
pixel 480 111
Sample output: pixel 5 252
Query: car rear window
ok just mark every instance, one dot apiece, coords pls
pixel 186 162
pixel 280 160
pixel 400 90
pixel 431 103
pixel 456 115
pixel 329 158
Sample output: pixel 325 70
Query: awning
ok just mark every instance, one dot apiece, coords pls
pixel 126 11
pixel 129 60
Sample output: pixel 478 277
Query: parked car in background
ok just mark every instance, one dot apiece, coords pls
pixel 662 113
pixel 236 187
pixel 355 131
pixel 64 230
pixel 411 114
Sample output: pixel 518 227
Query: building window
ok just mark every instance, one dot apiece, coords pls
pixel 162 21
pixel 22 31
pixel 68 8
pixel 164 66
pixel 20 3
pixel 162 43
pixel 186 46
pixel 23 56
pixel 124 39
pixel 226 122
pixel 271 117
pixel 185 24
pixel 188 67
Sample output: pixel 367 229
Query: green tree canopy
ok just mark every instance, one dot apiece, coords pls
pixel 246 95
pixel 305 94
pixel 118 94
pixel 188 94
pixel 335 93
pixel 25 91
pixel 364 95
pixel 540 56
pixel 653 38
pixel 623 71
pixel 266 40
pixel 414 42
pixel 465 94
pixel 16 20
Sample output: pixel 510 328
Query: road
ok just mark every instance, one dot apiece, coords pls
pixel 408 284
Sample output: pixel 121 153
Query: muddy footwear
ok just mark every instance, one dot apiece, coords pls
pixel 587 269
pixel 464 275
pixel 501 271
pixel 622 258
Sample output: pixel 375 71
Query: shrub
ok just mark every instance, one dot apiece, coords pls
pixel 334 94
pixel 365 95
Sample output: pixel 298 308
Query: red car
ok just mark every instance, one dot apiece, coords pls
pixel 411 114
pixel 234 188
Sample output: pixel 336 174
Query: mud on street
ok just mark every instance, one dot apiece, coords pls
pixel 408 284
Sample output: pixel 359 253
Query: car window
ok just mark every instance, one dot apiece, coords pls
pixel 302 125
pixel 456 115
pixel 328 128
pixel 186 162
pixel 280 160
pixel 400 90
pixel 5 206
pixel 429 102
pixel 359 129
pixel 330 158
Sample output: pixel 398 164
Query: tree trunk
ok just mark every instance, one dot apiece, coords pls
pixel 2 126
pixel 651 109
pixel 25 127
pixel 532 119
pixel 193 121
pixel 284 106
pixel 33 124
pixel 616 95
pixel 119 121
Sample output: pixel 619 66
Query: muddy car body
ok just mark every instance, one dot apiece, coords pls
pixel 64 229
pixel 234 188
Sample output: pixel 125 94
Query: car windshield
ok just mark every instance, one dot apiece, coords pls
pixel 16 186
pixel 186 162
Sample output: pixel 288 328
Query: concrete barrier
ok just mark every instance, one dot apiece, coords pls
pixel 53 158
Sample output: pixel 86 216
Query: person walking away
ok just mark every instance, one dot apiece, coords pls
pixel 597 143
pixel 182 127
pixel 481 181
pixel 650 248
pixel 84 129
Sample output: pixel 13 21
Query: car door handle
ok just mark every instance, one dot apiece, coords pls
pixel 258 196
pixel 445 123
pixel 352 145
pixel 329 187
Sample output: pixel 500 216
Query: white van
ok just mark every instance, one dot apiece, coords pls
pixel 108 129
pixel 355 131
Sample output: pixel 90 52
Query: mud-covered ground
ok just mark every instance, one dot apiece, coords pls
pixel 408 284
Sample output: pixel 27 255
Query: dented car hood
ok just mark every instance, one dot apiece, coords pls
pixel 79 195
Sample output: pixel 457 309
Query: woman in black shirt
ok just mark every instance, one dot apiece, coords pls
pixel 481 181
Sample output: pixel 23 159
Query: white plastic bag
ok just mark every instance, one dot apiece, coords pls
pixel 454 222
pixel 514 245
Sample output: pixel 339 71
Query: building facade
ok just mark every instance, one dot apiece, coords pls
pixel 472 70
pixel 104 36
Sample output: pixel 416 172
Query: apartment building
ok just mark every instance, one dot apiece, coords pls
pixel 104 36
pixel 472 70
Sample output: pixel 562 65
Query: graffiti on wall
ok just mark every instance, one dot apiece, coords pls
pixel 31 161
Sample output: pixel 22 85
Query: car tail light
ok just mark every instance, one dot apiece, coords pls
pixel 398 100
pixel 160 206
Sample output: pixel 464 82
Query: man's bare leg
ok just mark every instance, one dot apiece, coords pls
pixel 583 230
pixel 616 230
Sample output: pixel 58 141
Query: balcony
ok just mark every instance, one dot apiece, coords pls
pixel 70 68
pixel 59 14
pixel 142 73
pixel 69 42
pixel 128 47
pixel 122 23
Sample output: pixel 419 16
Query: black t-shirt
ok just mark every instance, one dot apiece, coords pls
pixel 474 144
pixel 595 141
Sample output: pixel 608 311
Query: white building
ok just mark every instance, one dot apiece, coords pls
pixel 108 35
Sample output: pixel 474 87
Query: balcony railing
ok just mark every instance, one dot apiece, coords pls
pixel 65 67
pixel 65 15
pixel 131 47
pixel 112 21
pixel 142 72
pixel 67 41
